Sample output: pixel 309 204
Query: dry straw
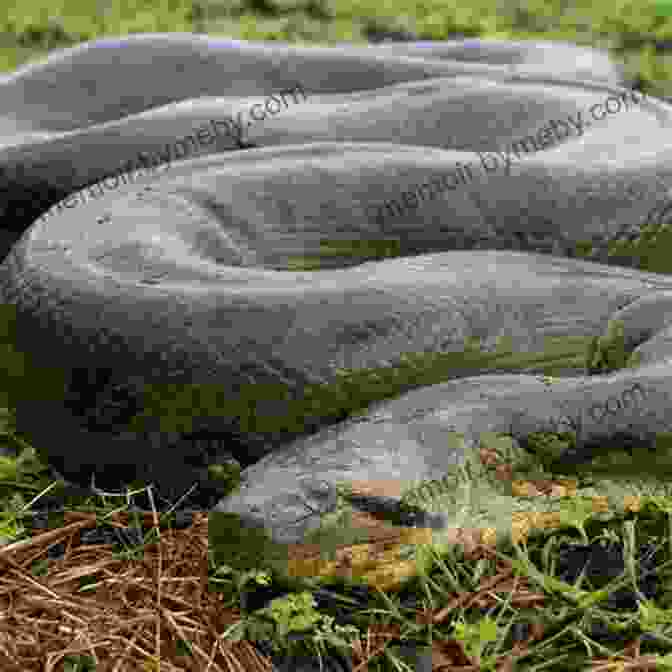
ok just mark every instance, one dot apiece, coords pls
pixel 134 618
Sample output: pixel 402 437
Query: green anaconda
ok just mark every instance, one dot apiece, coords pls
pixel 407 228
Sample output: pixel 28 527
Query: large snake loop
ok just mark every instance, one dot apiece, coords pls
pixel 241 293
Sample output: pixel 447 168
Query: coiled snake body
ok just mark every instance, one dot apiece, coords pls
pixel 186 276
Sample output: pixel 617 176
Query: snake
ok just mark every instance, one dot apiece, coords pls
pixel 328 299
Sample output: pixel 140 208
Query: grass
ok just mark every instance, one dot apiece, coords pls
pixel 478 606
pixel 473 597
pixel 165 603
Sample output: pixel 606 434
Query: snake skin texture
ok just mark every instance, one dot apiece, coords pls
pixel 482 165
